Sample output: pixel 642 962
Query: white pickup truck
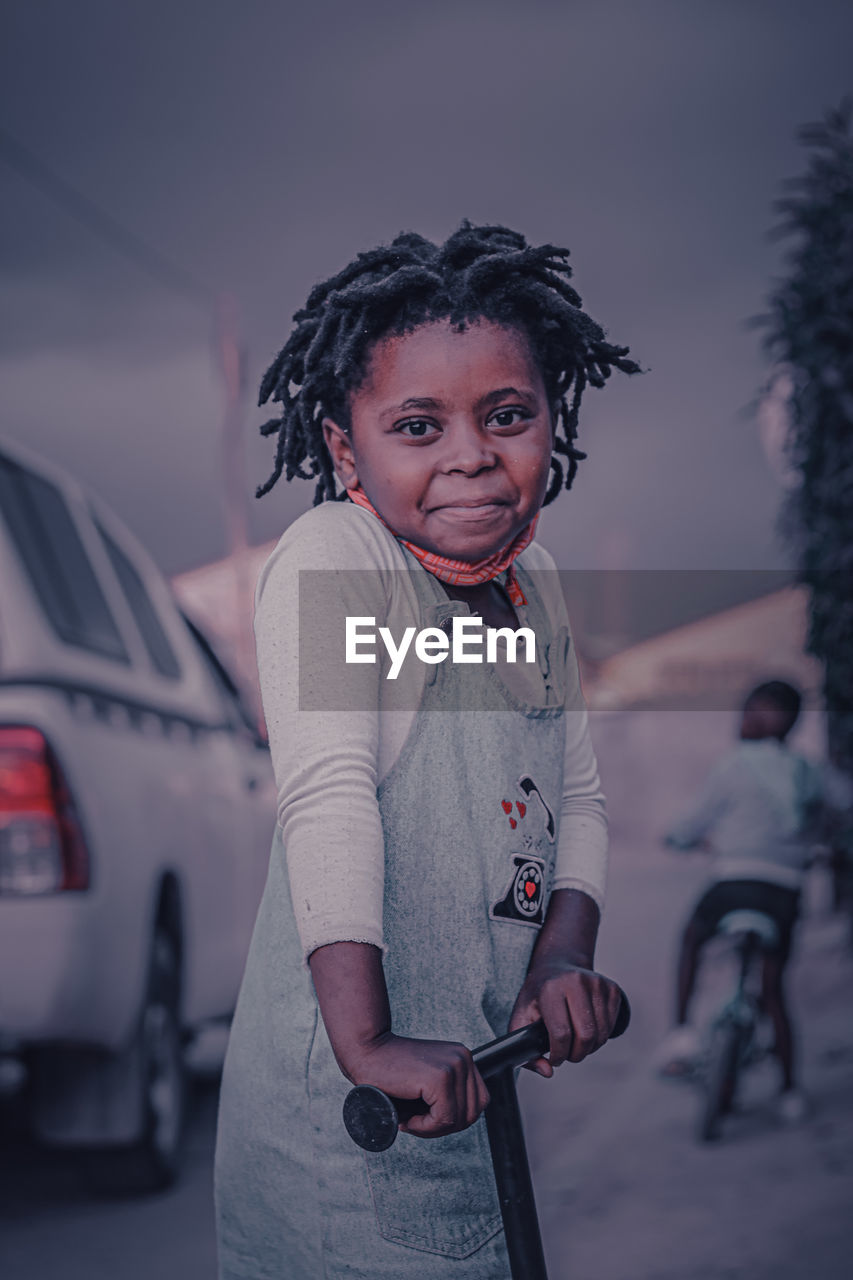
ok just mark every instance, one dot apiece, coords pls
pixel 137 805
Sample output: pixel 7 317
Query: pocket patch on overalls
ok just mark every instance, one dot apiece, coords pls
pixel 439 1195
pixel 522 902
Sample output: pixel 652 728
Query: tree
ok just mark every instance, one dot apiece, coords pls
pixel 810 332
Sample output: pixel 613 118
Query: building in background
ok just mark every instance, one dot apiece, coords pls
pixel 711 663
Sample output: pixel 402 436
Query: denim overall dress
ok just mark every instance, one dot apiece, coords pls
pixel 470 812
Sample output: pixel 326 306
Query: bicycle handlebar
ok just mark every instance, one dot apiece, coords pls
pixel 372 1118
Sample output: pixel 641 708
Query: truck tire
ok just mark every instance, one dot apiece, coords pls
pixel 159 1041
pixel 155 1056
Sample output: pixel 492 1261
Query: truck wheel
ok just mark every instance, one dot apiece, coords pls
pixel 153 1162
pixel 165 1082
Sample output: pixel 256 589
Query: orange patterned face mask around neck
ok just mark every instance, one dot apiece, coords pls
pixel 463 573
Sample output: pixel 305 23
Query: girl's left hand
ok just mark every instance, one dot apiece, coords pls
pixel 579 1006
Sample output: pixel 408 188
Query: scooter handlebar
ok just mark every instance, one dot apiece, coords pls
pixel 372 1118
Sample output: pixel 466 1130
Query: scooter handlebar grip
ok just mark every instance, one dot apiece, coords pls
pixel 372 1118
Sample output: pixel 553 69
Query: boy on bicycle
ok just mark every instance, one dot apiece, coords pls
pixel 756 809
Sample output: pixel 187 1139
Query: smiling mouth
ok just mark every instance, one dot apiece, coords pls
pixel 472 505
pixel 471 512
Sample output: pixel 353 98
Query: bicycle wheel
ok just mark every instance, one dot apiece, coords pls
pixel 720 1080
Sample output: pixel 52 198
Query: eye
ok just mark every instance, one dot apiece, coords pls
pixel 416 428
pixel 505 418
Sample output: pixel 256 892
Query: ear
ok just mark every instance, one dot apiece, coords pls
pixel 339 445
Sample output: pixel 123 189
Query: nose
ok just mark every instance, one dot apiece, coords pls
pixel 467 448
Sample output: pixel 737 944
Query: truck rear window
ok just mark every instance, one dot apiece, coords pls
pixel 156 641
pixel 56 562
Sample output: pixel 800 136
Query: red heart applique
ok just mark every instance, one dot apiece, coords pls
pixel 529 888
pixel 513 823
pixel 521 807
pixel 507 806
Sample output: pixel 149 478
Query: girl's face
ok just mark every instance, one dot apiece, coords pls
pixel 451 437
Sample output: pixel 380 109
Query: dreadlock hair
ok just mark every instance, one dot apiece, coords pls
pixel 486 272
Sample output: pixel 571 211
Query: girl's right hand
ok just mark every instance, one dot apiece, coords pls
pixel 350 986
pixel 440 1072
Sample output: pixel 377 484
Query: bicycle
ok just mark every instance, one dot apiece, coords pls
pixel 733 1043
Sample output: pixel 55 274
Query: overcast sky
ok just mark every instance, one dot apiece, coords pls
pixel 258 146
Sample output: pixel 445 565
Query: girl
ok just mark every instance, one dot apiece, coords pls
pixel 437 866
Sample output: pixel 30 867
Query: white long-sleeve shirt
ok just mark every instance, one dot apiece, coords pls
pixel 332 746
pixel 755 807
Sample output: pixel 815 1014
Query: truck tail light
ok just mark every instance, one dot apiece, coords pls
pixel 41 844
